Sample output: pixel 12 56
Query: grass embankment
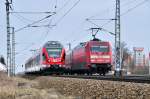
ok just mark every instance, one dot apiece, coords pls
pixel 19 88
pixel 69 88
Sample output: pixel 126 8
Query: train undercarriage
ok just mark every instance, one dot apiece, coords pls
pixel 100 69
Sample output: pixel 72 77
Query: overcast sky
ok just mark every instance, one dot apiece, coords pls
pixel 73 27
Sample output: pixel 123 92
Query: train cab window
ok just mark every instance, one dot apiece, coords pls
pixel 54 52
pixel 99 49
pixel 44 57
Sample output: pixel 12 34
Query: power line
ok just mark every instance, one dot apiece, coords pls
pixel 30 25
pixel 101 27
pixel 33 23
pixel 18 53
pixel 64 14
pixel 81 25
pixel 32 44
pixel 33 12
pixel 129 10
pixel 21 18
pixel 67 12
pixel 101 19
pixel 66 3
pixel 123 5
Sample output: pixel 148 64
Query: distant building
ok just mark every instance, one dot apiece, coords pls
pixel 139 57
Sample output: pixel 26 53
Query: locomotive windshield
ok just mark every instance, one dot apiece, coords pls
pixel 54 52
pixel 99 49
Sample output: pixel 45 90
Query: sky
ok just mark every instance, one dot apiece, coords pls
pixel 69 24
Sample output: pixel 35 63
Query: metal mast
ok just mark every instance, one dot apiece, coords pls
pixel 69 44
pixel 117 40
pixel 13 51
pixel 8 37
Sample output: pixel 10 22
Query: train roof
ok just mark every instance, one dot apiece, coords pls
pixel 96 39
pixel 83 44
pixel 51 44
pixel 33 55
pixel 48 44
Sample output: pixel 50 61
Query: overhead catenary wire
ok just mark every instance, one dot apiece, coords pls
pixel 58 22
pixel 33 23
pixel 136 6
pixel 129 10
pixel 91 18
pixel 101 27
pixel 123 5
pixel 26 48
pixel 57 11
pixel 101 19
pixel 21 18
pixel 29 25
pixel 67 2
pixel 67 12
pixel 33 12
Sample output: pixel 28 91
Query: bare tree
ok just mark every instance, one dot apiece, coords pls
pixel 2 60
pixel 125 53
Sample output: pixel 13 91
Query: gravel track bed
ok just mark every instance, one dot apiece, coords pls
pixel 96 89
pixel 69 88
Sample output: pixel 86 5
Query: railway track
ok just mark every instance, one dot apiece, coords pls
pixel 126 78
pixel 131 78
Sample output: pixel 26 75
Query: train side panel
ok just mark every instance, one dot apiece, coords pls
pixel 79 58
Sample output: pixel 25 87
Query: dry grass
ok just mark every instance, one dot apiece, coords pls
pixel 19 88
pixel 67 88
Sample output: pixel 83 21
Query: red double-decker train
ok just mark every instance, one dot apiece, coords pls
pixel 49 59
pixel 94 56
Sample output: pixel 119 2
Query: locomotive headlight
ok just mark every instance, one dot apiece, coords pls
pixel 54 60
pixel 49 60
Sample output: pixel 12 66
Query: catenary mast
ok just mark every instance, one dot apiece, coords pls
pixel 117 40
pixel 8 37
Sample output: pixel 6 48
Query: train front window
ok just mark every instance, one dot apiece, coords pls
pixel 99 49
pixel 53 52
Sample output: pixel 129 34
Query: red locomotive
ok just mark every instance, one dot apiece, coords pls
pixel 51 57
pixel 94 56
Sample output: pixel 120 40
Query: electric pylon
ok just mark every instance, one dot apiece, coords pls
pixel 117 40
pixel 8 37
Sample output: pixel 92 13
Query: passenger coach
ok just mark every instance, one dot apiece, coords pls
pixel 50 58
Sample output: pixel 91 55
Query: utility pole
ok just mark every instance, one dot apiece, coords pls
pixel 149 61
pixel 69 44
pixel 8 37
pixel 13 51
pixel 12 41
pixel 117 40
